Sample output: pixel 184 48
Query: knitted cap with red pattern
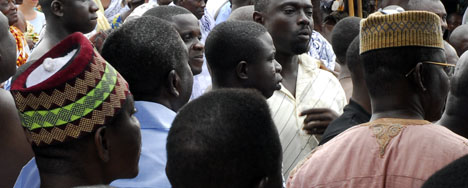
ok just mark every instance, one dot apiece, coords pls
pixel 68 93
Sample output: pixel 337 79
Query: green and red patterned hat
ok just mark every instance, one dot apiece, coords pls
pixel 68 93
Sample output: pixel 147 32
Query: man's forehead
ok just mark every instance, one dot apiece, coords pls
pixel 280 3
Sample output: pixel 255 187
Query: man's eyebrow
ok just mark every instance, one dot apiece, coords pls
pixel 292 3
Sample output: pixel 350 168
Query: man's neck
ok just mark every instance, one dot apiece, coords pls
pixel 361 95
pixel 289 64
pixel 63 180
pixel 53 34
pixel 402 105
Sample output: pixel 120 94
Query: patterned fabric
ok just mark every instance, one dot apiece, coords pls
pixel 117 21
pixel 411 28
pixel 22 48
pixel 115 7
pixel 74 101
pixel 387 152
pixel 31 34
pixel 315 88
pixel 322 50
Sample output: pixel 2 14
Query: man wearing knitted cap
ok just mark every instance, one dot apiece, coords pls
pixel 78 112
pixel 403 61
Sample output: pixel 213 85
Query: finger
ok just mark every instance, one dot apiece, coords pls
pixel 315 131
pixel 314 111
pixel 316 125
pixel 319 117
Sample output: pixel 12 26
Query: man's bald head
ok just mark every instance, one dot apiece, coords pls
pixel 459 39
pixel 458 87
pixel 244 13
pixel 450 53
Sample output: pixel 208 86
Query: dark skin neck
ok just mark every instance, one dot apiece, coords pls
pixel 54 33
pixel 229 81
pixel 59 181
pixel 346 82
pixel 401 104
pixel 454 117
pixel 361 95
pixel 289 72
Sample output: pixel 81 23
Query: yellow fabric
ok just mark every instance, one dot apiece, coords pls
pixel 410 28
pixel 315 88
pixel 102 23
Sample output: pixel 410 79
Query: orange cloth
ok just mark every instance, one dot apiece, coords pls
pixel 22 48
pixel 391 153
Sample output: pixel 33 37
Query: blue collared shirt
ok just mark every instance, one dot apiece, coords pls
pixel 155 120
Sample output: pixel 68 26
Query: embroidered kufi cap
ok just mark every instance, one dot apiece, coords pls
pixel 410 28
pixel 68 93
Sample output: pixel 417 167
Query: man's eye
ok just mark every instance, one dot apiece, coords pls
pixel 186 37
pixel 288 10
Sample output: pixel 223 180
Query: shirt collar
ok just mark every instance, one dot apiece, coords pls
pixel 154 115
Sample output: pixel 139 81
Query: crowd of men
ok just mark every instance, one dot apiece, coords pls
pixel 173 94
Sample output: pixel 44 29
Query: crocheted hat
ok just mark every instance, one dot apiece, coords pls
pixel 68 93
pixel 410 28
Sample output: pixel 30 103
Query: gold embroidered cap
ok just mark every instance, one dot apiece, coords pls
pixel 410 28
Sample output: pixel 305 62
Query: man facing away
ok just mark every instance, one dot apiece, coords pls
pixel 232 144
pixel 150 54
pixel 79 116
pixel 310 98
pixel 408 85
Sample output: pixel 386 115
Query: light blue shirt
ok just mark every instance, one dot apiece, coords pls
pixel 224 13
pixel 155 120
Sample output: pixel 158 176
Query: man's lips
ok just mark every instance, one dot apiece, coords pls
pixel 304 34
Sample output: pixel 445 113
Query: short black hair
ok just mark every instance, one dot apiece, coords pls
pixel 342 35
pixel 166 12
pixel 231 42
pixel 382 67
pixel 261 5
pixel 225 138
pixel 45 6
pixel 454 174
pixel 144 51
pixel 354 62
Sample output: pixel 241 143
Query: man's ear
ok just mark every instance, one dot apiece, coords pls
pixel 258 17
pixel 173 82
pixel 102 143
pixel 56 7
pixel 242 69
pixel 418 77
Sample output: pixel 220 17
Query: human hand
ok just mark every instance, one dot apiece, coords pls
pixel 317 119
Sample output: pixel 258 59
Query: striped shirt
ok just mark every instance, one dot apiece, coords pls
pixel 315 88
